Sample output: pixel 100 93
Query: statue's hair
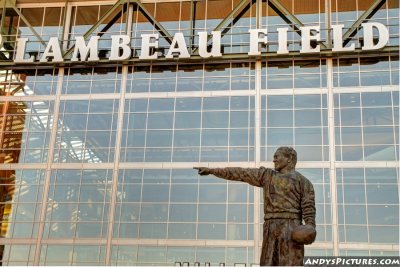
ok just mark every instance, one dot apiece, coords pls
pixel 289 153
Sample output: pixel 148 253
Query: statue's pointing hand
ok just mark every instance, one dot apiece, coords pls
pixel 202 170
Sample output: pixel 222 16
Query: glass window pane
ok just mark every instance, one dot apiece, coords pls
pixel 212 213
pixel 351 136
pixel 183 213
pixel 282 118
pixel 216 103
pixel 159 138
pixel 239 119
pixel 187 120
pixel 383 214
pixel 210 231
pixel 161 104
pixel 214 138
pixel 160 120
pixel 377 116
pixel 186 138
pixel 155 193
pixel 382 194
pixel 308 136
pixel 183 193
pixel 355 214
pixel 182 230
pixel 154 213
pixel 384 234
pixel 238 137
pixel 378 135
pixel 213 193
pixel 308 118
pixel 188 104
pixel 218 119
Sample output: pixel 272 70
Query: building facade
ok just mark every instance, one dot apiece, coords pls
pixel 97 145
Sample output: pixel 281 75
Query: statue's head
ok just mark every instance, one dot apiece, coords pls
pixel 285 158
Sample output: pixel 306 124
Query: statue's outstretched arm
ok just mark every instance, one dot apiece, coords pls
pixel 253 176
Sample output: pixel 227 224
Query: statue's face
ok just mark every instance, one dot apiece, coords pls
pixel 280 161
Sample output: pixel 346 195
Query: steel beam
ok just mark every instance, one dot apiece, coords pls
pixel 112 21
pixel 366 15
pixel 143 10
pixel 242 7
pixel 3 14
pixel 193 6
pixel 29 25
pixel 64 18
pixel 288 17
pixel 97 24
pixel 151 19
pixel 103 18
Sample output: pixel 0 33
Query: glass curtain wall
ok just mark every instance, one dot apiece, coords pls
pixel 96 161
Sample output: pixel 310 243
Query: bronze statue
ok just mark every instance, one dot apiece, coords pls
pixel 288 201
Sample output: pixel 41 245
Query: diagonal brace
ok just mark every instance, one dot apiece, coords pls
pixel 193 8
pixel 97 24
pixel 29 25
pixel 288 17
pixel 151 19
pixel 239 7
pixel 242 6
pixel 366 15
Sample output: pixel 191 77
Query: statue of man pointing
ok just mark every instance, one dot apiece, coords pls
pixel 289 201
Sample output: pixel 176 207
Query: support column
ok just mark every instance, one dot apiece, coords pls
pixel 332 158
pixel 50 156
pixel 331 135
pixel 120 121
pixel 53 135
pixel 257 143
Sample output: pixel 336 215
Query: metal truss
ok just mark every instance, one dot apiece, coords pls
pixel 224 26
pixel 365 16
pixel 230 20
pixel 288 17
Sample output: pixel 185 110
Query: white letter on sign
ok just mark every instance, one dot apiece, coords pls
pixel 83 50
pixel 19 56
pixel 120 42
pixel 178 46
pixel 306 39
pixel 338 39
pixel 255 40
pixel 282 41
pixel 216 44
pixel 52 50
pixel 383 35
pixel 147 44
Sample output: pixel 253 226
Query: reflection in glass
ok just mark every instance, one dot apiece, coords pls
pixel 25 131
pixel 73 255
pixel 174 130
pixel 17 254
pixel 92 81
pixel 78 203
pixel 124 255
pixel 83 136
